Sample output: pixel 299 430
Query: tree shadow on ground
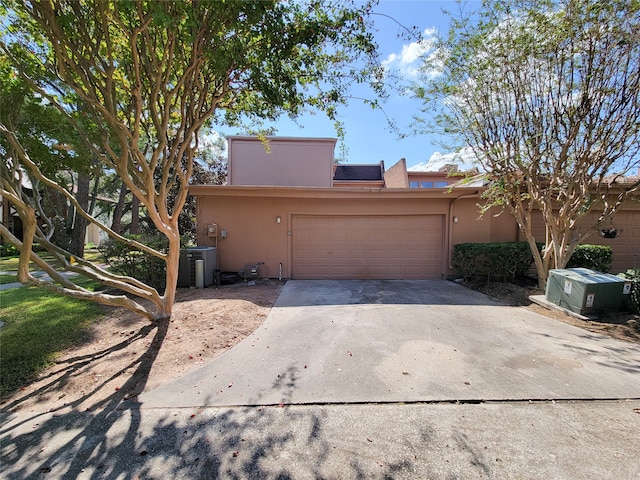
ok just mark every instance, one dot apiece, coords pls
pixel 622 357
pixel 126 441
pixel 66 369
pixel 89 437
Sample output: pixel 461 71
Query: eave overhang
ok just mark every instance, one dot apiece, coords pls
pixel 329 193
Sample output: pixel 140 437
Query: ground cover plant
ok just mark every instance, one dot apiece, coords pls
pixel 7 278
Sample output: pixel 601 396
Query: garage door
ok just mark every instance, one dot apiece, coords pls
pixel 360 247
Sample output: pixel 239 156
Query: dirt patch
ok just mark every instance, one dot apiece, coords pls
pixel 123 354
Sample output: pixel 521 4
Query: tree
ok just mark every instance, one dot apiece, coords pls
pixel 139 80
pixel 547 94
pixel 49 137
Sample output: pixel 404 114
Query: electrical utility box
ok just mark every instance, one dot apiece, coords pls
pixel 585 291
pixel 187 266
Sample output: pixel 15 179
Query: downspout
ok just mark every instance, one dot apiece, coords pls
pixel 449 227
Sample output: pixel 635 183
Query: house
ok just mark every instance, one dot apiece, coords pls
pixel 291 208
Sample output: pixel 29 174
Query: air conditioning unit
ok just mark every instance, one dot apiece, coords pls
pixel 585 291
pixel 187 267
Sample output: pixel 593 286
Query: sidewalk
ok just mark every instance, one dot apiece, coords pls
pixel 38 274
pixel 573 441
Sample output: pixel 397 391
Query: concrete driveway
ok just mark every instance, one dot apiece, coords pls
pixel 334 342
pixel 377 380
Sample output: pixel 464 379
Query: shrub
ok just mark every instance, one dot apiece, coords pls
pixel 502 261
pixel 633 274
pixel 594 257
pixel 132 262
pixel 8 250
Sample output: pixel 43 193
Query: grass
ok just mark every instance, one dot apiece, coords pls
pixel 7 278
pixel 10 263
pixel 38 326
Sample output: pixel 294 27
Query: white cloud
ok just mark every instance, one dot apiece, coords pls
pixel 464 159
pixel 410 59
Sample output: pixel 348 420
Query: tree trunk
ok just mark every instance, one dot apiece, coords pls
pixel 134 228
pixel 79 230
pixel 94 194
pixel 172 263
pixel 116 223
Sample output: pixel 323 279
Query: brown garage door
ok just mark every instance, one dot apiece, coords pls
pixel 383 247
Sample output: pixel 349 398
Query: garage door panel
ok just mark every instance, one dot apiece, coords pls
pixel 405 246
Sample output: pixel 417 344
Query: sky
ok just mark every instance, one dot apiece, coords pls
pixel 368 136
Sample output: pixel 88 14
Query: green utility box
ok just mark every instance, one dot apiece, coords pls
pixel 586 291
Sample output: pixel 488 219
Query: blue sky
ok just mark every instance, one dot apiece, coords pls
pixel 368 136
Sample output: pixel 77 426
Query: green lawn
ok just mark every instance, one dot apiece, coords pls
pixel 38 325
pixel 7 278
pixel 10 264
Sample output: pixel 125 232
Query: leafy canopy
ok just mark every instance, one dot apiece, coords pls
pixel 547 94
pixel 136 81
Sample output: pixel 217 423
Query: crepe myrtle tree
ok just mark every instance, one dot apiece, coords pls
pixel 547 94
pixel 137 81
pixel 46 134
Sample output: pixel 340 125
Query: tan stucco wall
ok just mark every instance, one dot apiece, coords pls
pixel 305 162
pixel 626 245
pixel 396 176
pixel 253 234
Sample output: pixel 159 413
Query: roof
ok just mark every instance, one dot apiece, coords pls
pixel 255 138
pixel 358 172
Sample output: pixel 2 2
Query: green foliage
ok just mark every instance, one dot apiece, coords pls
pixel 594 257
pixel 547 95
pixel 132 262
pixel 500 261
pixel 8 250
pixel 38 325
pixel 126 88
pixel 633 274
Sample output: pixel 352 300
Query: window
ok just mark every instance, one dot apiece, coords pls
pixel 413 184
pixel 441 184
pixel 426 184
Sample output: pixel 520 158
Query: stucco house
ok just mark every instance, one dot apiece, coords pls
pixel 291 208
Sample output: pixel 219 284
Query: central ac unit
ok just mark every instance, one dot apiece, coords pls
pixel 187 267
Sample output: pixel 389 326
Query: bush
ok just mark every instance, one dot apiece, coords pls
pixel 132 262
pixel 594 257
pixel 633 274
pixel 502 261
pixel 8 250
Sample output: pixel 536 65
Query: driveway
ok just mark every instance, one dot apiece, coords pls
pixel 363 342
pixel 400 379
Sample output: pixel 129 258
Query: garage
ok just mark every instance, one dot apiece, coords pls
pixel 367 246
